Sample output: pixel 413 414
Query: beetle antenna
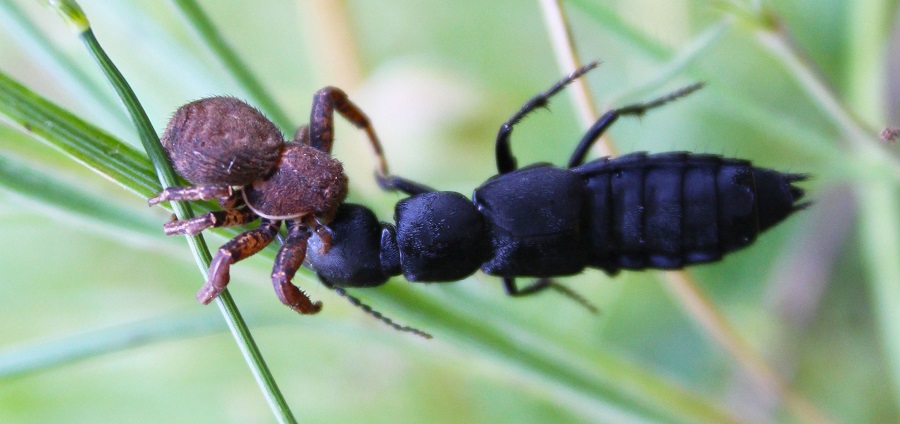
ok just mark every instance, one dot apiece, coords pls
pixel 368 309
pixel 639 109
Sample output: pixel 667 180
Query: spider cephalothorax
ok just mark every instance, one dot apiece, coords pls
pixel 231 152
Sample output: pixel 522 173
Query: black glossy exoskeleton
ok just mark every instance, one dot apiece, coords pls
pixel 638 211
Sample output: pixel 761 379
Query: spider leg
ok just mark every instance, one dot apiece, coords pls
pixel 321 122
pixel 244 245
pixel 223 192
pixel 288 261
pixel 321 230
pixel 301 136
pixel 542 284
pixel 225 218
pixel 395 183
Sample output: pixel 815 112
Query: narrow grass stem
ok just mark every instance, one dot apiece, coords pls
pixel 73 15
pixel 772 35
pixel 568 60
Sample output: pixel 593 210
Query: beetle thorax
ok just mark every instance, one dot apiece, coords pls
pixel 306 181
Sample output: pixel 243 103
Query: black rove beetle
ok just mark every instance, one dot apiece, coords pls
pixel 638 211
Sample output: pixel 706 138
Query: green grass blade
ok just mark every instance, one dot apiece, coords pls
pixel 871 155
pixel 73 15
pixel 676 66
pixel 65 350
pixel 880 200
pixel 55 62
pixel 165 172
pixel 613 23
pixel 71 199
pixel 774 37
pixel 241 72
pixel 880 222
pixel 82 142
pixel 593 382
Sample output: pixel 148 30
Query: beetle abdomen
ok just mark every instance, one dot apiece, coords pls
pixel 674 209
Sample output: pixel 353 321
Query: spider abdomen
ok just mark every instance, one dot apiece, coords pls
pixel 221 140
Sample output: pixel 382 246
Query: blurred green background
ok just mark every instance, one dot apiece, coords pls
pixel 99 321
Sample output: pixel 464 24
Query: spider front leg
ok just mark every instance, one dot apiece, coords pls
pixel 403 185
pixel 233 215
pixel 288 261
pixel 244 245
pixel 223 192
pixel 321 122
pixel 226 218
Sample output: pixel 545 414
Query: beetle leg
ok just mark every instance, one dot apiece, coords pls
pixel 244 245
pixel 289 259
pixel 226 218
pixel 200 192
pixel 608 118
pixel 506 162
pixel 509 283
pixel 321 122
pixel 542 284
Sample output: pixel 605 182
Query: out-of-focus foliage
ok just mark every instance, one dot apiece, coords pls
pixel 83 271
